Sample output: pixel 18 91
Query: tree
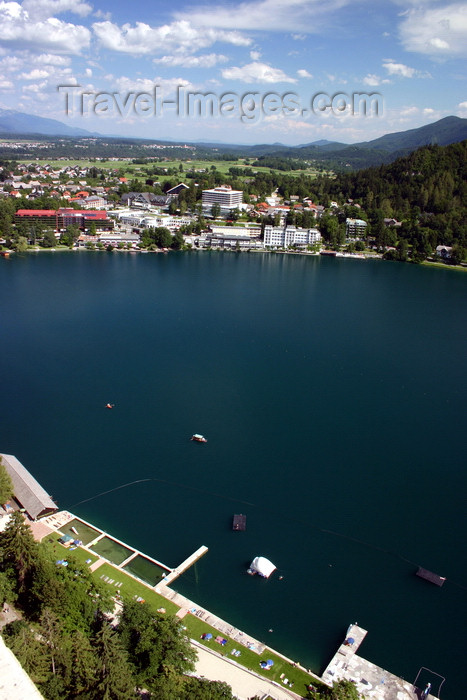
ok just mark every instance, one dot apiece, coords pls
pixel 6 484
pixel 156 645
pixel 48 240
pixel 84 664
pixel 20 244
pixel 178 241
pixel 20 550
pixel 28 649
pixel 71 235
pixel 216 210
pixel 114 677
pixel 203 689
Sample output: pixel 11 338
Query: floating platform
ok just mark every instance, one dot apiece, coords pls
pixel 239 522
pixel 430 576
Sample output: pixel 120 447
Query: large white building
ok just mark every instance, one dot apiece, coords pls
pixel 224 196
pixel 283 237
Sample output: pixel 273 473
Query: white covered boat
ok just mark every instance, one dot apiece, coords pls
pixel 261 566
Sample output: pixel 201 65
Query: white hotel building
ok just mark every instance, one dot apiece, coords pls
pixel 226 197
pixel 283 237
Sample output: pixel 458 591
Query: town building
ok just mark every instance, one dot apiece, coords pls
pixel 355 228
pixel 285 236
pixel 230 241
pixel 224 196
pixel 61 218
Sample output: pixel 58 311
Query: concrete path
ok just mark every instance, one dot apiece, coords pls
pixel 244 684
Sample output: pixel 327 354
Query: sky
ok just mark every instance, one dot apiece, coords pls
pixel 251 71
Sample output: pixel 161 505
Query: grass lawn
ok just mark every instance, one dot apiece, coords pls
pixel 131 589
pixel 248 658
pixel 59 551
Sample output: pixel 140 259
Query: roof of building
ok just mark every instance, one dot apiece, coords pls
pixel 28 492
pixel 36 212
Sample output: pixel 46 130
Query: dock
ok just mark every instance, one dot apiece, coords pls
pixel 178 571
pixel 371 680
pixel 239 522
pixel 430 576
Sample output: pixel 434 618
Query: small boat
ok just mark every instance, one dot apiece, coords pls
pixel 198 438
pixel 109 405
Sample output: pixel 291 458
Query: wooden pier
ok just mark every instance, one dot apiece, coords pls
pixel 179 570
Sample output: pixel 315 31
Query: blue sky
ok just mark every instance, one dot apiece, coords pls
pixel 411 52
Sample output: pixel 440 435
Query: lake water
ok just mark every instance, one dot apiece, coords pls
pixel 332 393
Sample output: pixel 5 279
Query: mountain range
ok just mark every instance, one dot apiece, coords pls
pixel 334 155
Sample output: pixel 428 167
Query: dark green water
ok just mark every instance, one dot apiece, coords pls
pixel 332 393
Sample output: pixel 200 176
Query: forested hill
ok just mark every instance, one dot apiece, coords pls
pixel 426 190
pixel 432 178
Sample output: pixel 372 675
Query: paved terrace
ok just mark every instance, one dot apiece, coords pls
pixel 370 680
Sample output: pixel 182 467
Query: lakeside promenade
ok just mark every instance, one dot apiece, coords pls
pixel 371 680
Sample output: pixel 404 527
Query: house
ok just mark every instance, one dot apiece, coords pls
pixel 174 191
pixel 444 251
pixel 355 228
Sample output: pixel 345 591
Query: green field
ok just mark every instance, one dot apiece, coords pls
pixel 140 171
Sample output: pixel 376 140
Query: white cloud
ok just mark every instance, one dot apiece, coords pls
pixel 256 73
pixel 302 73
pixel 35 74
pixel 43 9
pixel 436 31
pixel 88 73
pixel 203 61
pixel 49 59
pixel 5 84
pixel 409 111
pixel 462 109
pixel 372 80
pixel 304 16
pixel 143 39
pixel 35 87
pixel 255 55
pixel 399 69
pixel 16 28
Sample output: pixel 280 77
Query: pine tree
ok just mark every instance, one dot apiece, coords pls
pixel 6 485
pixel 19 549
pixel 113 672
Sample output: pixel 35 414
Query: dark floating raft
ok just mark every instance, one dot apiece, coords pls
pixel 430 576
pixel 239 522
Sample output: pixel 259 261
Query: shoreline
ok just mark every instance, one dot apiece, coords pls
pixel 345 664
pixel 334 254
